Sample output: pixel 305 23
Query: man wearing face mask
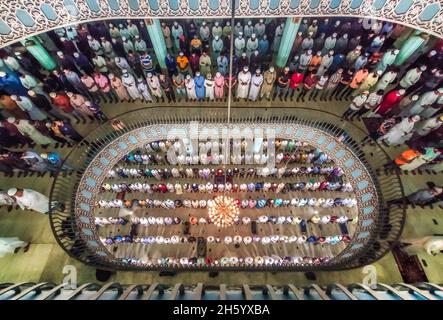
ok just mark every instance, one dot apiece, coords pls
pixel 217 47
pixel 277 37
pixel 305 60
pixel 238 28
pixel 341 44
pixel 326 62
pixel 204 34
pixel 95 45
pixel 248 30
pixel 330 43
pixel 239 44
pixel 282 84
pixel 256 82
pixel 307 43
pixel 83 63
pixel 244 80
pixel 176 32
pixel 227 29
pixel 205 63
pixel 260 28
pixel 140 45
pixel 263 45
pixel 268 83
pixel 222 64
pixel 251 45
pixel 130 84
pixel 182 63
pixel 154 85
pixel 199 81
pixel 217 30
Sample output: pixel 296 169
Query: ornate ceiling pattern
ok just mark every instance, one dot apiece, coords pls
pixel 22 18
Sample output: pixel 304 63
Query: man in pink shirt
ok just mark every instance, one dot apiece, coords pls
pixel 103 83
pixel 78 103
pixel 93 88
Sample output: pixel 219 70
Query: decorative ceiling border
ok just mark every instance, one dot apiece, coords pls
pixel 95 173
pixel 23 18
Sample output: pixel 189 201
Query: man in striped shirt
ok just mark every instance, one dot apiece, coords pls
pixel 146 63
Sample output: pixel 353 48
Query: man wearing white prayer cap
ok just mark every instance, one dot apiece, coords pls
pixel 256 83
pixel 28 199
pixel 244 80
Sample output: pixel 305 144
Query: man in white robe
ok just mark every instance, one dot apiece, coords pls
pixel 95 45
pixel 31 83
pixel 425 100
pixel 386 80
pixel 130 84
pixel 244 80
pixel 239 44
pixel 256 82
pixel 177 32
pixel 28 199
pixel 401 132
pixel 251 45
pixel 411 77
pixel 154 85
pixel 190 88
pixel 326 62
pixel 28 106
pixel 127 45
pixel 209 87
pixel 107 47
pixel 140 45
pixel 28 130
pixel 143 88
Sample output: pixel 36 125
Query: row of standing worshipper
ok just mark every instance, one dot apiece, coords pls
pixel 30 161
pixel 24 92
pixel 396 103
pixel 205 66
pixel 183 36
pixel 15 132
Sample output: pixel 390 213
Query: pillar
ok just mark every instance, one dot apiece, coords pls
pixel 411 45
pixel 34 47
pixel 287 41
pixel 158 41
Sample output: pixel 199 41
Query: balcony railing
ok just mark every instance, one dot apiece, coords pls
pixel 383 235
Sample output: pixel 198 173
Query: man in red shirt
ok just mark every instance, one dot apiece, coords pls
pixel 309 82
pixel 391 100
pixel 296 80
pixel 61 101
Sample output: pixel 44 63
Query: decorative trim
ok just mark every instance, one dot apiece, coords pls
pixel 425 15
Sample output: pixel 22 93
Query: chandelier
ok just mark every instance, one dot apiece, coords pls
pixel 223 211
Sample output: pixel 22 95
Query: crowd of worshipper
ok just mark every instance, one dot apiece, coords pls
pixel 258 203
pixel 245 220
pixel 331 58
pixel 256 261
pixel 334 173
pixel 209 187
pixel 272 239
pixel 209 152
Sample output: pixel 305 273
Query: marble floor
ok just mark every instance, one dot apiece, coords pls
pixel 45 260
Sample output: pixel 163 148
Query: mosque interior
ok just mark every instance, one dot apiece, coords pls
pixel 274 181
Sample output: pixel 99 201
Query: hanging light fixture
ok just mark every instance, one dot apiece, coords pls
pixel 223 211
